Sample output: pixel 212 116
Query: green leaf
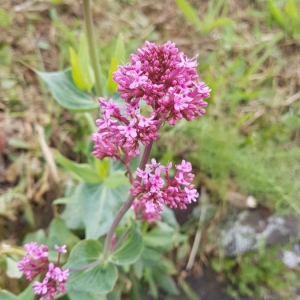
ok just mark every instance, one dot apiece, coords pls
pixel 115 295
pixel 157 239
pixel 137 292
pixel 84 253
pixel 101 167
pixel 72 214
pixel 60 234
pixel 189 13
pixel 85 63
pixel 191 295
pixel 160 237
pixel 65 92
pixel 64 200
pixel 278 15
pixel 5 295
pixel 138 268
pixel 99 279
pixel 76 71
pixel 120 51
pixel 99 204
pixel 116 179
pixel 117 59
pixel 165 281
pixel 130 249
pixel 150 257
pixel 27 294
pixel 152 284
pixel 82 72
pixel 111 84
pixel 78 295
pixel 12 269
pixel 168 216
pixel 5 55
pixel 83 171
pixel 291 9
pixel 220 22
pixel 4 19
pixel 28 213
pixel 38 236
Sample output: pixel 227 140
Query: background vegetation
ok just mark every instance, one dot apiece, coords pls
pixel 247 143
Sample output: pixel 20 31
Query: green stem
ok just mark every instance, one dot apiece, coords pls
pixel 145 227
pixel 92 45
pixel 127 204
pixel 120 241
pixel 91 121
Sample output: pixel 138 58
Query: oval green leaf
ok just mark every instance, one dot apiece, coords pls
pixel 78 295
pixel 99 279
pixel 99 204
pixel 84 253
pixel 60 234
pixel 83 171
pixel 130 249
pixel 65 92
pixel 5 295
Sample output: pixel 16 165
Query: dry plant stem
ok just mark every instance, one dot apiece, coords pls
pixel 199 230
pixel 88 19
pixel 127 204
pixel 12 250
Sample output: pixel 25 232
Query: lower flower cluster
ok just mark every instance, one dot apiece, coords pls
pixel 153 190
pixel 36 262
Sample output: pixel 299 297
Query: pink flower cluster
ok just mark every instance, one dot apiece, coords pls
pixel 118 133
pixel 167 81
pixel 36 262
pixel 145 211
pixel 153 190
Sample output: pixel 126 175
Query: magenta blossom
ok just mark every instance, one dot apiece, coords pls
pixel 36 262
pixel 146 211
pixel 155 189
pixel 119 134
pixel 166 79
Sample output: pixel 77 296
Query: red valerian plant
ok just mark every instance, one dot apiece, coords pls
pixel 166 80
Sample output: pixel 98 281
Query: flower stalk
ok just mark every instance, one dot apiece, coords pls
pixel 125 207
pixel 88 19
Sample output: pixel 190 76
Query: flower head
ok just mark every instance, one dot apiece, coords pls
pixel 36 262
pixel 166 79
pixel 120 134
pixel 146 211
pixel 163 77
pixel 154 190
pixel 61 249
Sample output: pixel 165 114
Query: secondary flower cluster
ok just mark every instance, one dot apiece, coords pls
pixel 118 133
pixel 167 81
pixel 36 262
pixel 153 190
